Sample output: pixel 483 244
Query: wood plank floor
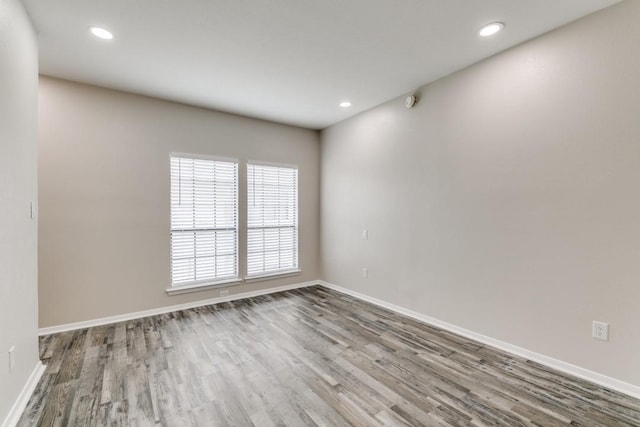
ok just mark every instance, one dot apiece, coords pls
pixel 306 357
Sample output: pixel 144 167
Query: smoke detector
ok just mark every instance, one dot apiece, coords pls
pixel 411 101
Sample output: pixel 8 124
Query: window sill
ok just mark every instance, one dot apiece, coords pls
pixel 197 287
pixel 270 276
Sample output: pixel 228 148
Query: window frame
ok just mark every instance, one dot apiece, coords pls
pixel 209 282
pixel 267 275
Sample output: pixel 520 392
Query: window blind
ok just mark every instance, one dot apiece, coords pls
pixel 204 220
pixel 272 223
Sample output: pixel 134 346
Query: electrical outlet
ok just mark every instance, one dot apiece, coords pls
pixel 224 293
pixel 12 358
pixel 600 331
pixel 365 273
pixel 365 234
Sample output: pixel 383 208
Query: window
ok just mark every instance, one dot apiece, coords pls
pixel 204 220
pixel 272 227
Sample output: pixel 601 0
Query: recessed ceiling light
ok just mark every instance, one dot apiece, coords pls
pixel 345 104
pixel 491 29
pixel 101 33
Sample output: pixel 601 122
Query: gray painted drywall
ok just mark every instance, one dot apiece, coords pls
pixel 18 187
pixel 104 195
pixel 506 202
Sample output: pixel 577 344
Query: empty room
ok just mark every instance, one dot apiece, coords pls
pixel 319 213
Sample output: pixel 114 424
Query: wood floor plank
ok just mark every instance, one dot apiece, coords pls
pixel 308 357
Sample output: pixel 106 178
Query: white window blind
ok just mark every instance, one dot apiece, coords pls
pixel 272 234
pixel 204 220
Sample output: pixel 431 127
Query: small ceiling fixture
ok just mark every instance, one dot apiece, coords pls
pixel 345 104
pixel 101 33
pixel 491 29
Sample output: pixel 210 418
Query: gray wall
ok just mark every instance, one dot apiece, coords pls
pixel 104 195
pixel 507 201
pixel 18 179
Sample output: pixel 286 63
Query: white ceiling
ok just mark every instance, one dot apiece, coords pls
pixel 289 61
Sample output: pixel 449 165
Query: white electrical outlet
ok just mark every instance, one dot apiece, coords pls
pixel 365 234
pixel 365 273
pixel 600 331
pixel 224 293
pixel 12 358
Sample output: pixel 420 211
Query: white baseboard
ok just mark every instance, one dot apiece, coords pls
pixel 168 309
pixel 600 379
pixel 23 398
pixel 576 371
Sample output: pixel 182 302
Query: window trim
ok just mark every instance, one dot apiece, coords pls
pixel 204 284
pixel 278 273
pixel 274 164
pixel 205 157
pixel 242 230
